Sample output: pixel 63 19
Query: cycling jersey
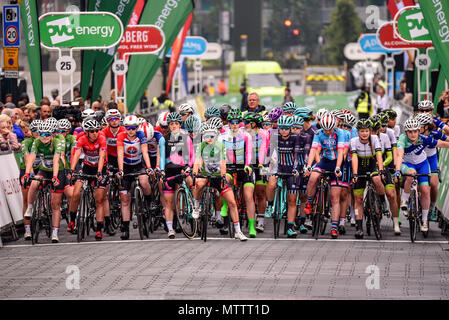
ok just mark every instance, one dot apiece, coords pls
pixel 46 152
pixel 27 144
pixel 436 135
pixel 306 139
pixel 132 152
pixel 365 150
pixel 176 151
pixel 284 153
pixel 77 131
pixel 92 149
pixel 153 143
pixel 238 147
pixel 392 136
pixel 111 139
pixel 330 144
pixel 414 153
pixel 212 155
pixel 70 143
pixel 260 146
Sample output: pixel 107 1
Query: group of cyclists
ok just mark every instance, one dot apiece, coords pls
pixel 247 148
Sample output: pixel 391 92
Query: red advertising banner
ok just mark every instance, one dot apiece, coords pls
pixel 389 40
pixel 142 39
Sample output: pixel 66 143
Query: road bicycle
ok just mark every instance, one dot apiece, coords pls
pixel 41 215
pixel 184 208
pixel 280 203
pixel 114 200
pixel 138 205
pixel 237 188
pixel 155 208
pixel 207 204
pixel 85 219
pixel 322 204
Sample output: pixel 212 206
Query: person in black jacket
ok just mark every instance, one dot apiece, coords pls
pixel 244 102
pixel 253 103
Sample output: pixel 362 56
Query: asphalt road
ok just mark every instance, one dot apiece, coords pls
pixel 224 268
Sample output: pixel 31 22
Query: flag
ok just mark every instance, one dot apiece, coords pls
pixel 176 51
pixel 30 24
pixel 134 20
pixel 170 16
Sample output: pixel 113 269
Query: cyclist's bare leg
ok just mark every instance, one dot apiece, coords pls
pixel 26 221
pixel 56 199
pixel 424 197
pixel 434 188
pixel 145 184
pixel 358 206
pixel 344 202
pixel 312 184
pixel 303 198
pixel 270 188
pixel 73 205
pixel 230 199
pixel 391 196
pixel 248 193
pixel 291 213
pixel 378 185
pixel 99 195
pixel 125 203
pixel 199 186
pixel 169 208
pixel 261 198
pixel 107 209
pixel 335 199
pixel 32 191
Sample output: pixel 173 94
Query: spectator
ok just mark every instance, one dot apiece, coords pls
pixel 54 94
pixel 76 93
pixel 21 104
pixel 403 95
pixel 2 106
pixel 288 96
pixel 382 98
pixel 24 98
pixel 26 114
pixel 44 101
pixel 8 98
pixel 32 111
pixel 222 90
pixel 362 103
pixel 10 105
pixel 111 105
pixel 19 114
pixel 54 104
pixel 96 106
pixel 443 105
pixel 81 104
pixel 13 117
pixel 244 101
pixel 45 112
pixel 7 135
pixel 25 127
pixel 253 103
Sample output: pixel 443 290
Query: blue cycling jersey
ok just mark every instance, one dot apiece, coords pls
pixel 330 144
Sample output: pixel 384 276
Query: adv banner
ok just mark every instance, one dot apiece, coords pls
pixel 436 18
pixel 30 24
pixel 104 58
pixel 10 186
pixel 170 16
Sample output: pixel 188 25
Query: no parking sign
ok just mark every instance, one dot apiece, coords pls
pixel 11 26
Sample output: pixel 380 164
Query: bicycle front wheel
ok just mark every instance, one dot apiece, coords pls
pixel 81 219
pixel 376 212
pixel 412 216
pixel 35 219
pixel 184 208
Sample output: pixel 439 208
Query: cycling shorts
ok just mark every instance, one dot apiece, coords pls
pixel 370 167
pixel 243 177
pixel 346 177
pixel 127 181
pixel 113 163
pixel 328 165
pixel 170 183
pixel 293 184
pixel 260 179
pixel 216 183
pixel 421 168
pixel 89 170
pixel 22 173
pixel 433 162
pixel 61 177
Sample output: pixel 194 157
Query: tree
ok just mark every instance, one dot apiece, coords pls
pixel 345 27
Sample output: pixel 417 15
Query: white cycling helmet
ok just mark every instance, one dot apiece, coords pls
pixel 90 124
pixel 87 113
pixel 162 120
pixel 185 107
pixel 46 126
pixel 64 124
pixel 425 104
pixel 320 113
pixel 328 122
pixel 350 119
pixel 339 114
pixel 208 127
pixel 216 122
pixel 411 125
pixel 424 118
pixel 113 113
pixel 53 122
pixel 141 120
pixel 131 120
pixel 147 130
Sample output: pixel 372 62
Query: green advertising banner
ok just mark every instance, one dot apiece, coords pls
pixel 443 188
pixel 412 27
pixel 88 57
pixel 30 23
pixel 170 16
pixel 104 58
pixel 436 17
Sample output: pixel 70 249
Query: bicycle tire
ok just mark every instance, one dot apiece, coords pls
pixel 318 215
pixel 412 216
pixel 375 214
pixel 276 214
pixel 204 219
pixel 46 219
pixel 327 209
pixel 137 208
pixel 35 219
pixel 81 220
pixel 187 224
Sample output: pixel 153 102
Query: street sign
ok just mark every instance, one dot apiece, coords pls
pixel 389 40
pixel 422 61
pixel 11 26
pixel 65 65
pixel 80 30
pixel 410 25
pixel 389 63
pixel 197 65
pixel 213 51
pixel 120 67
pixel 11 62
pixel 142 39
pixel 370 43
pixel 193 46
pixel 354 52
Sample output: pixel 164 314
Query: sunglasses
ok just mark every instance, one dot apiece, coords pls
pixel 266 124
pixel 234 122
pixel 60 131
pixel 284 128
pixel 93 131
pixel 297 127
pixel 131 128
pixel 184 113
pixel 45 134
pixel 247 121
pixel 113 119
pixel 426 110
pixel 210 136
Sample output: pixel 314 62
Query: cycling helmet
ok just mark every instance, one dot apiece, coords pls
pixel 350 119
pixel 346 111
pixel 266 118
pixel 53 122
pixel 212 112
pixel 297 120
pixel 185 107
pixel 321 113
pixel 425 104
pixel 87 113
pixel 328 122
pixel 411 125
pixel 174 117
pixel 424 118
pixel 275 114
pixel 376 124
pixel 147 130
pixel 113 113
pixel 251 117
pixel 374 118
pixel 192 124
pixel 34 125
pixel 104 122
pixel 46 126
pixel 141 120
pixel 99 115
pixel 384 119
pixel 90 124
pixel 162 120
pixel 304 112
pixel 339 114
pixel 285 121
pixel 235 114
pixel 64 124
pixel 289 106
pixel 131 120
pixel 391 114
pixel 364 124
pixel 224 111
pixel 208 127
pixel 215 121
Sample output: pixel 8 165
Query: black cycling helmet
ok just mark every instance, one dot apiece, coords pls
pixel 364 124
pixel 391 114
pixel 224 110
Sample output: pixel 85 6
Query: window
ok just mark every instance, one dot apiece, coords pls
pixel 264 80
